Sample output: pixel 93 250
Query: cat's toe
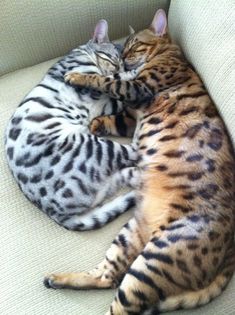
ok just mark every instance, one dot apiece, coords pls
pixel 68 77
pixel 50 283
pixel 97 127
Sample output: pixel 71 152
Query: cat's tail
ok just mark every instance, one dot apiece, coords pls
pixel 101 215
pixel 193 299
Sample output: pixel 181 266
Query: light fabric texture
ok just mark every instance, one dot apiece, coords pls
pixel 31 244
pixel 206 32
pixel 38 30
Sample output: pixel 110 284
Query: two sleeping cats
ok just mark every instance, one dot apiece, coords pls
pixel 178 249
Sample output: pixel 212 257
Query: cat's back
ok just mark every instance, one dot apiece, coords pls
pixel 184 144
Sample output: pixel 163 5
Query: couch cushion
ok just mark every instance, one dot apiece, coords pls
pixel 35 31
pixel 206 31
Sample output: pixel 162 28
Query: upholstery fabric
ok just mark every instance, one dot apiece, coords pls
pixel 31 244
pixel 206 31
pixel 36 31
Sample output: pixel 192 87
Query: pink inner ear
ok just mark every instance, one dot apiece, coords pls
pixel 101 32
pixel 159 23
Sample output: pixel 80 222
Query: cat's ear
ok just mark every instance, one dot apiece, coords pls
pixel 159 23
pixel 131 30
pixel 101 32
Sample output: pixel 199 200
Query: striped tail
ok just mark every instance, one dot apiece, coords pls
pixel 193 299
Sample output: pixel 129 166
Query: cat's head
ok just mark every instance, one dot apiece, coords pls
pixel 107 54
pixel 141 47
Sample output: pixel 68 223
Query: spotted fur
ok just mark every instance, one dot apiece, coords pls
pixel 58 164
pixel 178 250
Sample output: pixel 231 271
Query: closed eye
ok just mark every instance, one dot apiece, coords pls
pixel 140 49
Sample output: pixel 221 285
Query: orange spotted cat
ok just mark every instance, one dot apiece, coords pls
pixel 178 250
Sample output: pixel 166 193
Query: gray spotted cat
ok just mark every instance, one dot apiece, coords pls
pixel 58 164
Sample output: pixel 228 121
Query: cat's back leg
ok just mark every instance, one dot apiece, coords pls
pixel 123 250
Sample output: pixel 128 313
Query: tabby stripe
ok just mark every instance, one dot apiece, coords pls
pixel 167 138
pixel 171 125
pixel 158 256
pixel 39 118
pixel 191 132
pixel 193 95
pixel 113 263
pixel 174 153
pixel 188 111
pixel 38 100
pixel 114 106
pixel 169 278
pixel 34 161
pixel 125 152
pixel 154 76
pixel 154 121
pixel 119 160
pixel 48 87
pixel 99 153
pixel 80 185
pixel 171 108
pixel 49 150
pixel 58 77
pixel 122 240
pixel 68 148
pixel 122 298
pixel 68 166
pixel 77 150
pixel 109 58
pixel 150 133
pixel 89 148
pixel 83 108
pixel 180 207
pixel 140 276
pixel 154 269
pixel 118 86
pixel 151 88
pixel 110 154
pixel 158 243
pixel 140 295
pixel 53 138
pixel 175 227
pixel 86 63
pixel 121 125
pixel 53 125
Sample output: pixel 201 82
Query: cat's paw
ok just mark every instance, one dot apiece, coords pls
pixel 98 128
pixel 52 282
pixel 75 78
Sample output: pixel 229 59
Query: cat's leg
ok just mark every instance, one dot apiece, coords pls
pixel 181 267
pixel 122 124
pixel 135 93
pixel 108 274
pixel 100 215
pixel 126 177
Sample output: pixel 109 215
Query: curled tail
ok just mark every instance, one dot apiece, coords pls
pixel 193 299
pixel 99 216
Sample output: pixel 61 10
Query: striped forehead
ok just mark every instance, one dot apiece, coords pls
pixel 131 40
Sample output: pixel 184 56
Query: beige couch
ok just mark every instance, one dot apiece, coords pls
pixel 32 32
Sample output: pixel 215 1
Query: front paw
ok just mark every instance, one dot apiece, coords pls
pixel 75 78
pixel 97 127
